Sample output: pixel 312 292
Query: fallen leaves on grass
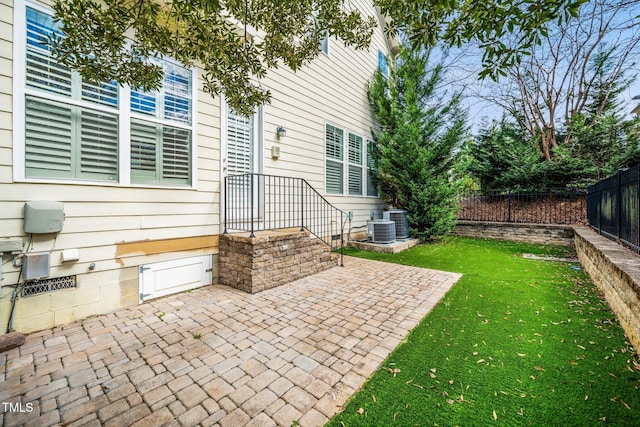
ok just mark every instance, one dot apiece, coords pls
pixel 393 371
pixel 414 384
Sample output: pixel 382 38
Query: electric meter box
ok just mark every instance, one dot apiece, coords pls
pixel 43 216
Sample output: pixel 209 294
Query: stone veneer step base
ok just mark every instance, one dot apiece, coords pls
pixel 271 258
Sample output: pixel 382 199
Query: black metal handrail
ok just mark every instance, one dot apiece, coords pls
pixel 613 207
pixel 258 202
pixel 546 206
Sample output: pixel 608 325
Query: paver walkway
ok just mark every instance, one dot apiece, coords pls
pixel 219 356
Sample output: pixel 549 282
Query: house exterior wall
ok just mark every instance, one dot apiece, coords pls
pixel 117 228
pixel 332 89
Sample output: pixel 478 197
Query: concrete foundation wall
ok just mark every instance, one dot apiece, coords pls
pixel 528 233
pixel 271 259
pixel 616 271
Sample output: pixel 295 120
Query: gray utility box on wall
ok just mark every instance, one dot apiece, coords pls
pixel 43 216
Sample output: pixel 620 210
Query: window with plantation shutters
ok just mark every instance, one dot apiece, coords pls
pixel 74 129
pixel 334 153
pixel 355 165
pixel 63 137
pixel 161 129
pixel 372 189
pixel 348 163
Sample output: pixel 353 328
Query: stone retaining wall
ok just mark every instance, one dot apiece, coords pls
pixel 271 259
pixel 616 272
pixel 529 233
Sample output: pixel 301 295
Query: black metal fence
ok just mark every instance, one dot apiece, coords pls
pixel 613 207
pixel 256 202
pixel 549 206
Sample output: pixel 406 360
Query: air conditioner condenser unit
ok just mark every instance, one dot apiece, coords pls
pixel 381 231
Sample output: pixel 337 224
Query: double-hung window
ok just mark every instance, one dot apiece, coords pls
pixel 355 165
pixel 334 153
pixel 71 127
pixel 348 163
pixel 160 129
pixel 372 190
pixel 76 130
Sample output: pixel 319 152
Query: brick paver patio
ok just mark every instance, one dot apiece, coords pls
pixel 219 356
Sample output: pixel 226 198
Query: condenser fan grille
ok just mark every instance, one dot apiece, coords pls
pixel 398 216
pixel 382 231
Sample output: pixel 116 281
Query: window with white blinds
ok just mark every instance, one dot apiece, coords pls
pixel 334 149
pixel 74 128
pixel 348 163
pixel 372 190
pixel 355 165
pixel 161 129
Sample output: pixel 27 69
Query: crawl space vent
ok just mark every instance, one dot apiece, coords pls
pixel 36 287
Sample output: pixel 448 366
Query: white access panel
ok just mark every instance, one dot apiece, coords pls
pixel 169 277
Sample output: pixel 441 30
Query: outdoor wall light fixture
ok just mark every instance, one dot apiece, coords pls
pixel 281 132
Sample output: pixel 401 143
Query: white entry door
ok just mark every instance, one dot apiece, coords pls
pixel 242 144
pixel 242 140
pixel 169 277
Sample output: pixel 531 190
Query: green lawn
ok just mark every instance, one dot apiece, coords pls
pixel 515 342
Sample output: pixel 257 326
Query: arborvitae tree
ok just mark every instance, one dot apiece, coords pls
pixel 421 132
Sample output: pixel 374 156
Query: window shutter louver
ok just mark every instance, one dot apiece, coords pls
pixel 371 180
pixel 240 144
pixel 48 138
pixel 355 149
pixel 102 93
pixel 335 177
pixel 355 180
pixel 177 94
pixel 99 144
pixel 144 141
pixel 334 169
pixel 176 156
pixel 334 137
pixel 355 165
pixel 42 71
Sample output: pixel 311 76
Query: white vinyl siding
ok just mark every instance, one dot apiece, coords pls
pixel 74 129
pixel 334 152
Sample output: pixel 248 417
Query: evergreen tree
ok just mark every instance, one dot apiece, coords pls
pixel 421 132
pixel 503 157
